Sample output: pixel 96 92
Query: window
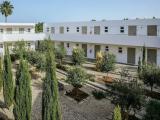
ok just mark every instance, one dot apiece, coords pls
pixel 77 29
pixel 67 45
pixel 29 45
pixel 96 30
pixel 121 29
pixel 21 30
pixel 1 30
pixel 152 30
pixel 67 29
pixel 9 30
pixel 120 50
pixel 105 29
pixel 84 29
pixel 107 48
pixel 61 30
pixel 77 45
pixel 1 45
pixel 132 30
pixel 52 30
pixel 47 29
pixel 29 29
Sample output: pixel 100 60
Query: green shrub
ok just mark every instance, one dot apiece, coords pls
pixel 99 94
pixel 117 113
pixel 106 62
pixel 76 77
pixel 152 110
pixel 78 56
pixel 1 75
pixel 60 52
pixel 150 74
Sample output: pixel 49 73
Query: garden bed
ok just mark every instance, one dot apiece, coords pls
pixel 77 94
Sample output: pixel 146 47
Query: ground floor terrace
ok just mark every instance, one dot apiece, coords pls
pixel 124 54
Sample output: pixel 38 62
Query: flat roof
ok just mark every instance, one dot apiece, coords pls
pixel 17 24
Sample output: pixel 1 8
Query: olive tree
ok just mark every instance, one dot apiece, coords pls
pixel 129 96
pixel 76 77
pixel 60 52
pixel 150 74
pixel 78 56
pixel 105 62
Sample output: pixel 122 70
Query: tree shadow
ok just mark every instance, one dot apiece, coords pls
pixel 3 116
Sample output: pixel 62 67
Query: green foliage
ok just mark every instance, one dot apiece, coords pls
pixel 6 8
pixel 99 94
pixel 144 55
pixel 117 113
pixel 23 95
pixel 1 75
pixel 50 102
pixel 130 95
pixel 42 46
pixel 106 62
pixel 19 49
pixel 78 56
pixel 152 110
pixel 139 65
pixel 8 87
pixel 150 75
pixel 39 27
pixel 76 77
pixel 37 59
pixel 60 53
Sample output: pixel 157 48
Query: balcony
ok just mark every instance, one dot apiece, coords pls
pixel 18 37
pixel 148 41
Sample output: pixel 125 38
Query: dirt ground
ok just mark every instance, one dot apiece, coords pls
pixel 89 109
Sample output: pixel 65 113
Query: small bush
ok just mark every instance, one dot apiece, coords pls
pixel 78 56
pixel 105 62
pixel 76 77
pixel 98 94
pixel 90 77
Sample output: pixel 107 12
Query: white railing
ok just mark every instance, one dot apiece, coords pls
pixel 148 41
pixel 18 37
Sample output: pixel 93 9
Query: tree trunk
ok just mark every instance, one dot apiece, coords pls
pixel 6 19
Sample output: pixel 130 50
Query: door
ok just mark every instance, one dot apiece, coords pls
pixel 97 49
pixel 131 55
pixel 84 47
pixel 152 56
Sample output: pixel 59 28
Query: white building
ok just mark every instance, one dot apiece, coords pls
pixel 12 32
pixel 124 38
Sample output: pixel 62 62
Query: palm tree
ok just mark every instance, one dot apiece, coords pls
pixel 6 8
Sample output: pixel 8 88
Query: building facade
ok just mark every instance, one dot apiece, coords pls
pixel 13 32
pixel 124 38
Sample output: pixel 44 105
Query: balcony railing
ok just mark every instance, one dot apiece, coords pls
pixel 18 37
pixel 148 41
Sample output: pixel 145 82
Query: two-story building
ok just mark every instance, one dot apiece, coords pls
pixel 12 32
pixel 124 38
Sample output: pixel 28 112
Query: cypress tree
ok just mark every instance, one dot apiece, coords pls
pixel 144 55
pixel 1 80
pixel 8 87
pixel 50 103
pixel 117 113
pixel 23 95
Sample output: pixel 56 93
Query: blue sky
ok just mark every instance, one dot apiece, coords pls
pixel 81 10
